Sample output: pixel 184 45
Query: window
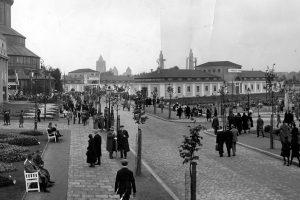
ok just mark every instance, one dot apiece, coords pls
pixel 264 86
pixel 155 89
pixel 206 88
pixel 204 70
pixel 179 90
pixel 257 86
pixel 188 88
pixel 198 88
pixel 246 87
pixel 209 70
pixel 252 86
pixel 219 70
pixel 214 70
pixel 215 88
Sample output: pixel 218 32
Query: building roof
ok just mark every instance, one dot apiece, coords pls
pixel 18 50
pixel 219 64
pixel 9 31
pixel 252 74
pixel 176 73
pixel 115 78
pixel 83 70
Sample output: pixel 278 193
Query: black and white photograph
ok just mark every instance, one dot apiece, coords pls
pixel 149 100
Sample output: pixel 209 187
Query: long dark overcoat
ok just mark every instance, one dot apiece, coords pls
pixel 110 141
pixel 91 154
pixel 97 144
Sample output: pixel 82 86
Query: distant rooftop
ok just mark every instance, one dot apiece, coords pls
pixel 83 70
pixel 219 64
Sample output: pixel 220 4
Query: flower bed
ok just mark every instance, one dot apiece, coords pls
pixel 24 141
pixel 5 167
pixel 32 133
pixel 12 153
pixel 4 181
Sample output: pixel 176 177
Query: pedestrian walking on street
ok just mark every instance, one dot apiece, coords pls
pixel 245 122
pixel 228 141
pixel 125 182
pixel 260 126
pixel 220 142
pixel 238 123
pixel 79 116
pixel 295 144
pixel 21 119
pixel 74 116
pixel 285 151
pixel 215 124
pixel 91 154
pixel 110 142
pixel 39 114
pixel 69 117
pixel 278 120
pixel 234 140
pixel 284 132
pixel 179 112
pixel 97 146
pixel 123 145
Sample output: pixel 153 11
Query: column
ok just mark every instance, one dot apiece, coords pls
pixel 149 90
pixel 184 89
pixel 174 90
pixel 193 89
pixel 202 90
pixel 162 90
pixel 210 89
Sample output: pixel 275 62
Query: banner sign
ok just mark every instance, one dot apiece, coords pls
pixel 235 70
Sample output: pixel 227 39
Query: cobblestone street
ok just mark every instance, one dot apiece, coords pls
pixel 249 175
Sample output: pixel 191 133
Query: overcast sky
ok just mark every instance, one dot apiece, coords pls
pixel 71 34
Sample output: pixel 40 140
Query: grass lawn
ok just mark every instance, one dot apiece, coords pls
pixel 15 108
pixel 16 191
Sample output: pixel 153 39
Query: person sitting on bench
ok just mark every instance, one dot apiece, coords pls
pixel 53 131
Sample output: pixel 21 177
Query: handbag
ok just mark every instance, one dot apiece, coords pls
pixel 217 147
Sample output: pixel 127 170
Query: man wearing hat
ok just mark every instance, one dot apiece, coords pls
pixel 97 144
pixel 123 145
pixel 125 182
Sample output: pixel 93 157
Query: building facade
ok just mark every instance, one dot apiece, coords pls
pixel 78 79
pixel 3 71
pixel 21 60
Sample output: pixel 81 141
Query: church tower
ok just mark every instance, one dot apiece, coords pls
pixel 161 61
pixel 191 62
pixel 5 12
pixel 101 65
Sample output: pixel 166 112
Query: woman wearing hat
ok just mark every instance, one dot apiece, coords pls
pixel 91 154
pixel 110 142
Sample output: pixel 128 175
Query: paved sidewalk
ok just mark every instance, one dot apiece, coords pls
pixel 251 141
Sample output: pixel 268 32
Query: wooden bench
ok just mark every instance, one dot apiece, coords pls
pixel 32 178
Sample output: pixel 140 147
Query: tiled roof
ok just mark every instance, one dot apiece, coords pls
pixel 176 73
pixel 219 64
pixel 83 70
pixel 116 78
pixel 18 50
pixel 252 74
pixel 9 31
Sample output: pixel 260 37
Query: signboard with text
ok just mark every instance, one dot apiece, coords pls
pixel 235 70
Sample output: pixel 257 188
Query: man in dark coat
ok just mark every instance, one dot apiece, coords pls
pixel 125 182
pixel 220 142
pixel 228 136
pixel 215 124
pixel 97 146
pixel 123 145
pixel 245 122
pixel 91 154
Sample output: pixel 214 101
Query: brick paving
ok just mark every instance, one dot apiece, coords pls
pixel 249 175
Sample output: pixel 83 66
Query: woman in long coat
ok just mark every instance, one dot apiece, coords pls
pixel 295 144
pixel 91 154
pixel 245 122
pixel 110 142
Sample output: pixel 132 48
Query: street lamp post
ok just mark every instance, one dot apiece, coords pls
pixel 154 94
pixel 170 91
pixel 270 76
pixel 248 92
pixel 45 101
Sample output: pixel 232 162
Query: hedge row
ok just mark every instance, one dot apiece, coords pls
pixel 12 153
pixel 5 167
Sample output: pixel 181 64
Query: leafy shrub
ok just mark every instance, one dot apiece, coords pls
pixel 12 153
pixel 4 167
pixel 24 141
pixel 4 181
pixel 32 133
